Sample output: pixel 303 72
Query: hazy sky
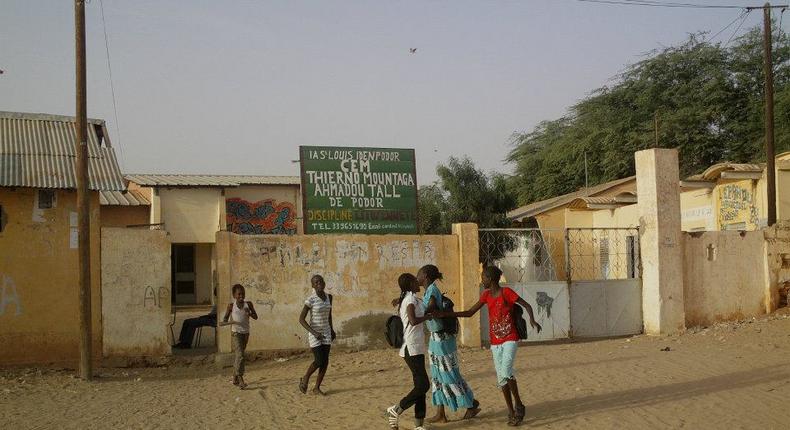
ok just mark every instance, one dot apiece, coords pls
pixel 234 87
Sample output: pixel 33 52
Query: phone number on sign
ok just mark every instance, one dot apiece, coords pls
pixel 340 226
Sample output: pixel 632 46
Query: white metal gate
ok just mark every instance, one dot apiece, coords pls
pixel 580 282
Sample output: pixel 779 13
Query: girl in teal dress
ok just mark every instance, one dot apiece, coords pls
pixel 448 387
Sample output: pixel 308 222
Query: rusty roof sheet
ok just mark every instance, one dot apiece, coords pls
pixel 38 151
pixel 174 180
pixel 120 198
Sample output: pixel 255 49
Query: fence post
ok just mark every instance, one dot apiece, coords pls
pixel 567 256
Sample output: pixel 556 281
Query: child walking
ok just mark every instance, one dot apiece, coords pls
pixel 448 387
pixel 504 336
pixel 320 331
pixel 412 313
pixel 239 313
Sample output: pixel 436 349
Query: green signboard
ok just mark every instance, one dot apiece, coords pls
pixel 358 190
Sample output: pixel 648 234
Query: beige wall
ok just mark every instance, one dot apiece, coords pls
pixel 555 219
pixel 122 216
pixel 191 215
pixel 135 292
pixel 723 276
pixel 698 210
pixel 203 279
pixel 39 292
pixel 361 272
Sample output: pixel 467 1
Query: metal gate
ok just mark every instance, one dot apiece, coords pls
pixel 580 282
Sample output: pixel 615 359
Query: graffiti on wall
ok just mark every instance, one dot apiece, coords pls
pixel 262 217
pixel 737 204
pixel 154 298
pixel 9 296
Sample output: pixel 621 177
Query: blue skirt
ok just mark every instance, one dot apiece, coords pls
pixel 448 387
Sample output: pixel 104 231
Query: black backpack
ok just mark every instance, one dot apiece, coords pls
pixel 449 324
pixel 394 331
pixel 517 313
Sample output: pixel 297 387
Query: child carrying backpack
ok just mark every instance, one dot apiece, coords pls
pixel 412 349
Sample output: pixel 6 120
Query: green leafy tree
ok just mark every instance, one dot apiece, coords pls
pixel 709 102
pixel 464 193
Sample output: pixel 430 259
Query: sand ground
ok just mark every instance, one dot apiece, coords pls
pixel 729 376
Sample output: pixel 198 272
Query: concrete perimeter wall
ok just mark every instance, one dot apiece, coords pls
pixel 135 292
pixel 361 272
pixel 724 276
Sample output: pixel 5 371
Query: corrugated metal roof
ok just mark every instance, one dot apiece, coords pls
pixel 537 208
pixel 38 151
pixel 156 180
pixel 119 198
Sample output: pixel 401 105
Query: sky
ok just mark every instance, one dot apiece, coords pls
pixel 234 87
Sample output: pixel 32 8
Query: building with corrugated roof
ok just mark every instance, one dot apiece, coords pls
pixel 39 289
pixel 193 208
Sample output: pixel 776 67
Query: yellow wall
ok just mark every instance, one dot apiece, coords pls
pixel 555 220
pixel 203 278
pixel 698 210
pixel 122 216
pixel 191 215
pixel 738 203
pixel 361 273
pixel 39 291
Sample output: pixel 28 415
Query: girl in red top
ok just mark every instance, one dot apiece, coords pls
pixel 504 336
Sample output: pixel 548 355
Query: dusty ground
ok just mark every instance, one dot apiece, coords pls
pixel 724 377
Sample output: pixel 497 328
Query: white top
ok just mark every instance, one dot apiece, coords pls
pixel 413 335
pixel 240 315
pixel 319 319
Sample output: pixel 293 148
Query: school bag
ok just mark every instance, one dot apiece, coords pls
pixel 517 313
pixel 449 324
pixel 394 331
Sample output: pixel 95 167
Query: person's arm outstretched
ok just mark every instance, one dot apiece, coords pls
pixel 413 318
pixel 303 322
pixel 531 314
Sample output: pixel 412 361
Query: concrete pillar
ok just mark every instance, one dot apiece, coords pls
pixel 223 265
pixel 658 195
pixel 469 278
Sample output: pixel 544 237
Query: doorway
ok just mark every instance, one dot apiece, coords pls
pixel 183 266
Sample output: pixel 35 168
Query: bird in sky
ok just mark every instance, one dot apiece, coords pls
pixel 412 50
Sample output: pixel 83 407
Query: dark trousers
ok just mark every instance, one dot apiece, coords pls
pixel 321 356
pixel 416 396
pixel 191 324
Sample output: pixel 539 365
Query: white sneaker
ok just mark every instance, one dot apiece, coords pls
pixel 392 416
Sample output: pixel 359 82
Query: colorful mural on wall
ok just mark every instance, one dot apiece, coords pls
pixel 737 205
pixel 263 217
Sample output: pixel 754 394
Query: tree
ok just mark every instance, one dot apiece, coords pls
pixel 464 193
pixel 709 102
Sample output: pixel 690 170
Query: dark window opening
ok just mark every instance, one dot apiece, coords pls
pixel 46 199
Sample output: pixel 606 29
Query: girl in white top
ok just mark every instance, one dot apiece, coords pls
pixel 320 332
pixel 239 313
pixel 413 350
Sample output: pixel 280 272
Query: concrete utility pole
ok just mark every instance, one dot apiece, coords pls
pixel 768 68
pixel 83 197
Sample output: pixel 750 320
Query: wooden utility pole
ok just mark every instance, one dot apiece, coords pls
pixel 83 197
pixel 768 69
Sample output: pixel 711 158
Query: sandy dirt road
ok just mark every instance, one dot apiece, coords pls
pixel 728 376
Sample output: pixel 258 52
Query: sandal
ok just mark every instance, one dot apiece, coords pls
pixel 521 411
pixel 317 391
pixel 511 420
pixel 303 385
pixel 473 411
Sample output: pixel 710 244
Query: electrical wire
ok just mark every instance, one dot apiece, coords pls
pixel 740 16
pixel 112 86
pixel 745 16
pixel 653 3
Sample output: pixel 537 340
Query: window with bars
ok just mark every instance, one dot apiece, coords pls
pixel 603 254
pixel 46 199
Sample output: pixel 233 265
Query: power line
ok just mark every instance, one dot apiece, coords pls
pixel 741 15
pixel 651 3
pixel 112 86
pixel 746 15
